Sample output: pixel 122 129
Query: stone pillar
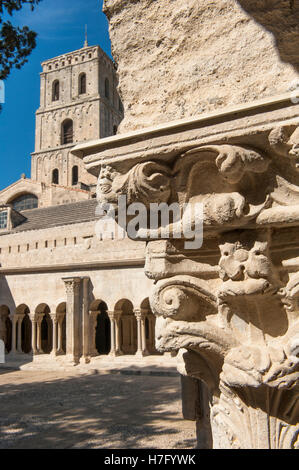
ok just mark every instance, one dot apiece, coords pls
pixel 20 320
pixel 54 338
pixel 132 335
pixel 73 319
pixel 141 338
pixel 86 318
pixel 2 327
pixel 145 351
pixel 14 334
pixel 60 319
pixel 112 316
pixel 93 317
pixel 33 338
pixel 152 333
pixel 118 344
pixel 139 334
pixel 39 333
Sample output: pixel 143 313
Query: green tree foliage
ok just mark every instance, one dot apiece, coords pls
pixel 15 43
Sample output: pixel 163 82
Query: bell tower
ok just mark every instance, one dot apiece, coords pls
pixel 78 102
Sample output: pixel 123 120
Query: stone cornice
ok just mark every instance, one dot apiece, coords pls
pixel 115 264
pixel 166 140
pixel 63 106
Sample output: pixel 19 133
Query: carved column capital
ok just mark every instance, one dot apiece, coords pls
pixel 33 318
pixel 54 317
pixel 231 306
pixel 72 285
pixel 139 314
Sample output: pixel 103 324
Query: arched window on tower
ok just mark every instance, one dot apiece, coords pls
pixel 55 90
pixel 67 136
pixel 82 83
pixel 55 176
pixel 107 88
pixel 75 175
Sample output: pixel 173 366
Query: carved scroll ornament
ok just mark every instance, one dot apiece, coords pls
pixel 242 342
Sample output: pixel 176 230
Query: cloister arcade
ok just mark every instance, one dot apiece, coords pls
pixel 125 330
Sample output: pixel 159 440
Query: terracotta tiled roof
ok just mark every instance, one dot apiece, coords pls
pixel 54 216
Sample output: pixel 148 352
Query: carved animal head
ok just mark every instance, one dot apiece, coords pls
pixel 106 177
pixel 240 261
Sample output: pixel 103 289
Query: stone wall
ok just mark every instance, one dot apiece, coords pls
pixel 33 264
pixel 47 194
pixel 181 58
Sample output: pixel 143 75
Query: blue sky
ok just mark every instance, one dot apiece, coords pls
pixel 60 25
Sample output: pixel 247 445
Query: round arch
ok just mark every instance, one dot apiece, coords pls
pixel 97 305
pixel 127 326
pixel 125 307
pixel 24 201
pixel 22 309
pixel 101 335
pixel 61 308
pixel 46 327
pixel 26 329
pixel 42 308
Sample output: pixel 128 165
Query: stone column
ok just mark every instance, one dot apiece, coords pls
pixel 39 333
pixel 2 327
pixel 145 351
pixel 60 319
pixel 14 334
pixel 20 320
pixel 73 318
pixel 93 317
pixel 139 333
pixel 54 339
pixel 118 344
pixel 132 336
pixel 112 316
pixel 141 337
pixel 152 333
pixel 33 338
pixel 86 319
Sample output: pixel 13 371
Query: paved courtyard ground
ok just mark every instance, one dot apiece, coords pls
pixel 48 410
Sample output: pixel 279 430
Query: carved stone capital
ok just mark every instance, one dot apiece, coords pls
pixel 72 285
pixel 231 307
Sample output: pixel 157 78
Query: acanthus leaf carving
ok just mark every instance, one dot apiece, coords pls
pixel 145 182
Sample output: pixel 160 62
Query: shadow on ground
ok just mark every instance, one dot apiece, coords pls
pixel 48 410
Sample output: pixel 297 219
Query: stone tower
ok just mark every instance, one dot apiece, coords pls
pixel 78 102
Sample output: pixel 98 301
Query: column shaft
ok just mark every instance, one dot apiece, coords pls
pixel 14 335
pixel 54 350
pixel 39 336
pixel 113 349
pixel 20 320
pixel 139 336
pixel 34 348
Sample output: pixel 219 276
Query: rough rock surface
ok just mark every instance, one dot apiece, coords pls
pixel 180 58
